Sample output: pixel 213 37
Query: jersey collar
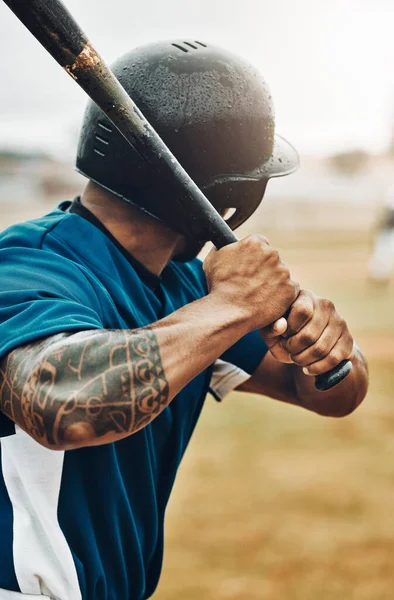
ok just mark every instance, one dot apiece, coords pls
pixel 76 207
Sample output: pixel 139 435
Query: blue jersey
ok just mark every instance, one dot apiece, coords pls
pixel 87 524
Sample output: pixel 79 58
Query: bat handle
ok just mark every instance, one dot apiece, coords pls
pixel 219 232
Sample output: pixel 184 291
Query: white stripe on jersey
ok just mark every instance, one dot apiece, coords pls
pixel 42 559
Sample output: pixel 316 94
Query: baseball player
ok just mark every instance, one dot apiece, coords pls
pixel 112 332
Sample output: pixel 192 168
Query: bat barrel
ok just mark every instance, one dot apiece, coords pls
pixel 53 26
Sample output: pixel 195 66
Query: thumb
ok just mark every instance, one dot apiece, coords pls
pixel 272 335
pixel 275 330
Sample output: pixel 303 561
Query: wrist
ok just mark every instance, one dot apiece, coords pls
pixel 228 315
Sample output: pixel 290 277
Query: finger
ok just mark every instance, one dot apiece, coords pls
pixel 308 335
pixel 264 241
pixel 280 354
pixel 321 348
pixel 342 350
pixel 301 312
pixel 255 238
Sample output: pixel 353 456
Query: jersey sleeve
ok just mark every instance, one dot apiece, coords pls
pixel 247 353
pixel 41 294
pixel 225 378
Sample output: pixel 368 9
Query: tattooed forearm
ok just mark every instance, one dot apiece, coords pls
pixel 94 382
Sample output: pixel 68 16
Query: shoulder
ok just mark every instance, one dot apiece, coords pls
pixel 28 263
pixel 31 234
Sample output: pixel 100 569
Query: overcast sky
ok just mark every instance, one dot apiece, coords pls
pixel 330 65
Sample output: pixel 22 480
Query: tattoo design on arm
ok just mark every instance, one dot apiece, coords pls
pixel 101 381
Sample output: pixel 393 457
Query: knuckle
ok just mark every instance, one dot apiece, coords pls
pixel 285 274
pixel 287 285
pixel 307 294
pixel 306 339
pixel 334 358
pixel 319 351
pixel 327 304
pixel 254 240
pixel 272 256
pixel 303 311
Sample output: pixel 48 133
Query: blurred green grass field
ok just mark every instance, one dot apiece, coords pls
pixel 275 503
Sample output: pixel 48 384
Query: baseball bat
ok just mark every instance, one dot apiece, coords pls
pixel 54 27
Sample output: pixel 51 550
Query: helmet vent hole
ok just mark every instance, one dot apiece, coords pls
pixel 99 152
pixel 228 213
pixel 180 47
pixel 201 44
pixel 102 140
pixel 190 45
pixel 105 127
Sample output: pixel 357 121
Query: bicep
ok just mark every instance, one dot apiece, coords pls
pixel 273 379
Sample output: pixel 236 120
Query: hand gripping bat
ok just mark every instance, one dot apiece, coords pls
pixel 53 26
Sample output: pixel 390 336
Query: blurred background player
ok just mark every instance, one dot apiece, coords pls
pixel 381 263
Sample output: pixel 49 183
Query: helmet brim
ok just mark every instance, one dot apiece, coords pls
pixel 284 159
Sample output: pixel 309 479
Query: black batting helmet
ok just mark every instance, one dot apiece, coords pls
pixel 215 113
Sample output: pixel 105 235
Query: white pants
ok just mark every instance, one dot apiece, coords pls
pixel 7 595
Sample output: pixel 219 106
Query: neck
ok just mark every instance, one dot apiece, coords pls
pixel 149 241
